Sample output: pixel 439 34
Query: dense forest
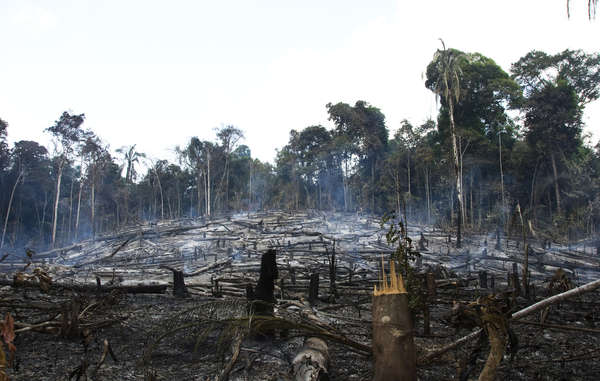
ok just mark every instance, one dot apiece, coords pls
pixel 501 141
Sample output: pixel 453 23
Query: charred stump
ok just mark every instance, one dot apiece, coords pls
pixel 313 288
pixel 263 296
pixel 423 243
pixel 483 283
pixel 179 288
pixel 332 275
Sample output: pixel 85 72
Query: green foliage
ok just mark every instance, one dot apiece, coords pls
pixel 404 253
pixel 67 131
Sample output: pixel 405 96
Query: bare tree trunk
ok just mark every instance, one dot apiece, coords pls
pixel 345 184
pixel 93 206
pixel 70 210
pixel 532 201
pixel 459 193
pixel 43 222
pixel 250 186
pixel 428 195
pixel 462 185
pixel 502 181
pixel 556 189
pixel 397 181
pixel 78 209
pixel 56 199
pixel 208 183
pixel 10 200
pixel 498 340
pixel 227 183
pixel 373 187
pixel 179 197
pixel 200 186
pixel 409 195
pixel 162 201
pixel 471 220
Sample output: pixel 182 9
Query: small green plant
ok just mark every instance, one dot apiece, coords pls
pixel 404 253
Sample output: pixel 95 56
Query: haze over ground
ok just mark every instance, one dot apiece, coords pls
pixel 156 73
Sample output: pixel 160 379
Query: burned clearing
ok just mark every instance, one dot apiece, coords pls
pixel 107 309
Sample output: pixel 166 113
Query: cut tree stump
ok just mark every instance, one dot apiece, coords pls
pixel 393 345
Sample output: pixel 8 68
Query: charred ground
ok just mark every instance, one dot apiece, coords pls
pixel 115 293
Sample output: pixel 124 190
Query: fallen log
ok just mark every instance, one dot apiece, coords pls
pixel 153 287
pixel 517 315
pixel 224 376
pixel 312 362
pixel 112 254
pixel 206 268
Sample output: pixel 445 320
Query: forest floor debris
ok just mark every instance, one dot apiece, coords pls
pixel 69 329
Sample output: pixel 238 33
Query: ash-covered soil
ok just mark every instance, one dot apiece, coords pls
pixel 62 333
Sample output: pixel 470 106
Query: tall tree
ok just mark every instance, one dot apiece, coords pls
pixel 362 137
pixel 195 156
pixel 443 78
pixel 36 183
pixel 131 157
pixel 4 151
pixel 66 133
pixel 556 89
pixel 98 159
pixel 229 137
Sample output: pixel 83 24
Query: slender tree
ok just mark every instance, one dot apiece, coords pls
pixel 443 78
pixel 66 133
pixel 229 137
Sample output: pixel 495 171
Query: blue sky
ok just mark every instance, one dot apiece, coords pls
pixel 155 73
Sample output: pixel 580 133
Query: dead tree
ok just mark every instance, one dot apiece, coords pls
pixel 263 296
pixel 313 288
pixel 423 243
pixel 517 315
pixel 179 289
pixel 332 275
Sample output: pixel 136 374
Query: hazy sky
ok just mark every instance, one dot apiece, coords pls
pixel 156 73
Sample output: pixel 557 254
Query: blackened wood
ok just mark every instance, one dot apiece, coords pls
pixel 179 289
pixel 313 288
pixel 140 288
pixel 332 275
pixel 483 279
pixel 264 293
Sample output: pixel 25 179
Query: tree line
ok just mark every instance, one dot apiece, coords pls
pixel 500 140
